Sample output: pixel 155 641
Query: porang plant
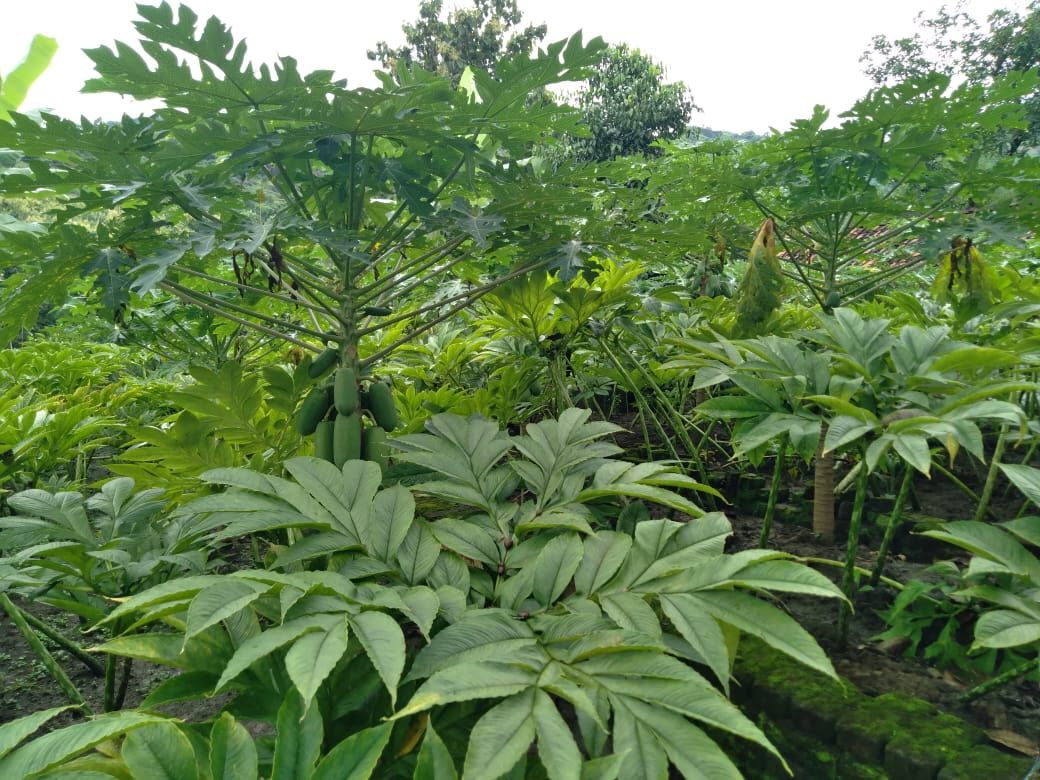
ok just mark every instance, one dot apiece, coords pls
pixel 378 643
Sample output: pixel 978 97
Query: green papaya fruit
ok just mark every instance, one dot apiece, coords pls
pixel 374 446
pixel 346 391
pixel 377 311
pixel 346 438
pixel 833 300
pixel 313 408
pixel 323 363
pixel 381 405
pixel 323 441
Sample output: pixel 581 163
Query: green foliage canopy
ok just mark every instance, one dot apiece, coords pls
pixel 475 37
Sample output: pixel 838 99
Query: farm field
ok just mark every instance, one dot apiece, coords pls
pixel 498 421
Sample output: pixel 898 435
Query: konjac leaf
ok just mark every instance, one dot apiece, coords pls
pixel 383 641
pixel 59 746
pixel 232 753
pixel 355 758
pixel 160 751
pixel 314 655
pixel 557 750
pixel 555 566
pixel 434 761
pixel 298 744
pixel 483 680
pixel 392 513
pixel 500 738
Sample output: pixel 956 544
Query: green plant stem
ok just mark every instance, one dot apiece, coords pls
pixel 848 578
pixel 991 477
pixel 894 521
pixel 124 683
pixel 774 491
pixel 109 701
pixel 859 570
pixel 52 666
pixel 193 300
pixel 246 311
pixel 474 295
pixel 64 643
pixel 1000 680
pixel 675 419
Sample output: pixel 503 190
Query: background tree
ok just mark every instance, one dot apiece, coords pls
pixel 628 106
pixel 954 43
pixel 479 37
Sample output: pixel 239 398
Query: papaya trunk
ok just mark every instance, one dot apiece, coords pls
pixel 823 491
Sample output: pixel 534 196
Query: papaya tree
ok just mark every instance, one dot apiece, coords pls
pixel 284 202
pixel 860 204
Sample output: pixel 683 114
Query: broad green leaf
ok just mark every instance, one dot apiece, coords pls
pixel 701 632
pixel 768 623
pixel 556 747
pixel 346 494
pixel 434 761
pixel 355 758
pixel 500 738
pixel 13 732
pixel 693 698
pixel 604 768
pixel 844 408
pixel 417 553
pixel 257 647
pixel 603 555
pixel 1025 478
pixel 914 450
pixel 730 407
pixel 785 576
pixel 59 746
pixel 1025 528
pixel 159 751
pixel 990 542
pixel 206 651
pixel 477 637
pixel 644 757
pixel 992 390
pixel 298 744
pixel 314 655
pixel 467 539
pixel 423 605
pixel 463 682
pixel 696 755
pixel 172 590
pixel 1004 628
pixel 232 753
pixel 219 601
pixel 844 430
pixel 383 641
pixel 555 566
pixel 184 686
pixel 629 610
pixel 392 513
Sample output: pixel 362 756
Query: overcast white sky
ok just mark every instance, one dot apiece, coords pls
pixel 750 64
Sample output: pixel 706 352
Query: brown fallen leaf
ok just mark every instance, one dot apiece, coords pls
pixel 1014 741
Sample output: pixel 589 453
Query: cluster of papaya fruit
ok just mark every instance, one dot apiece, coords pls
pixel 333 413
